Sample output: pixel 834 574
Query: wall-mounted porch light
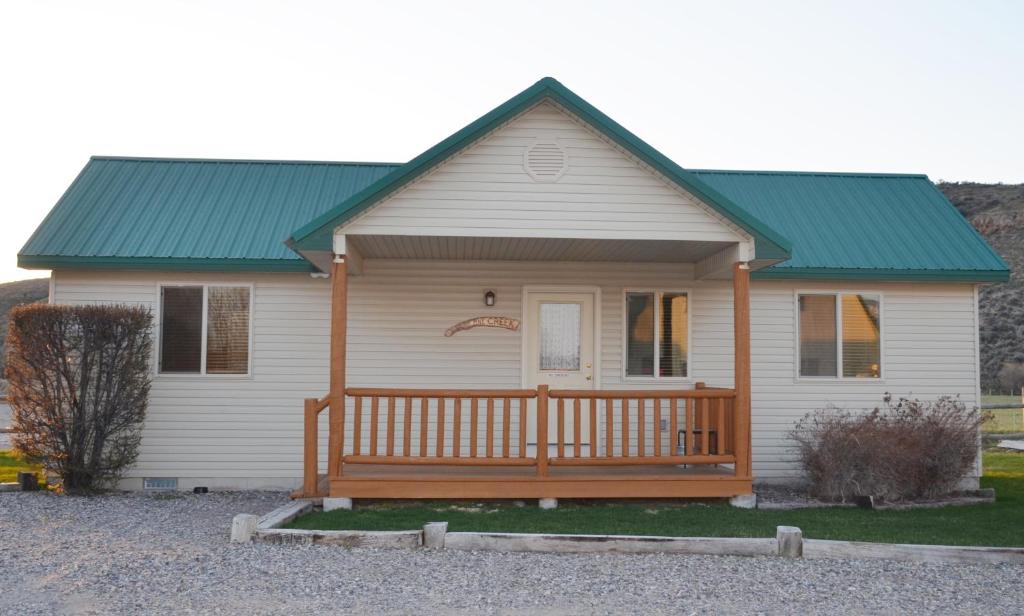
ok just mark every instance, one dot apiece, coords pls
pixel 489 298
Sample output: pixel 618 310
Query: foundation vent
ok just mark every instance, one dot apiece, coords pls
pixel 159 484
pixel 545 161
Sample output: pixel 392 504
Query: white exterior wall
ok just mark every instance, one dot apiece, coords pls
pixel 247 431
pixel 485 191
pixel 228 431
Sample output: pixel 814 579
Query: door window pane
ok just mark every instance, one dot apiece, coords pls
pixel 818 335
pixel 862 347
pixel 227 330
pixel 640 334
pixel 560 336
pixel 673 341
pixel 181 329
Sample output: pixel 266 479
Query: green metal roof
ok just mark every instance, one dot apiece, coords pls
pixel 234 215
pixel 316 235
pixel 862 226
pixel 190 214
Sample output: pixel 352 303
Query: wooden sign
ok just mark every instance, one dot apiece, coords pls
pixel 503 322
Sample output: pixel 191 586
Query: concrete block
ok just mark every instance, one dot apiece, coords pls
pixel 330 504
pixel 433 534
pixel 791 541
pixel 548 503
pixel 585 544
pixel 285 514
pixel 744 501
pixel 243 527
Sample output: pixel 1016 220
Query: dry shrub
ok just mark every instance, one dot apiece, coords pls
pixel 78 388
pixel 907 450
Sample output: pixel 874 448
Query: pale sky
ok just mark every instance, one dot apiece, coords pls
pixel 928 87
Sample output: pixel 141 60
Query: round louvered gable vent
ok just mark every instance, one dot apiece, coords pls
pixel 545 161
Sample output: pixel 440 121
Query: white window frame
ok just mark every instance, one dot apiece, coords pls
pixel 656 377
pixel 202 359
pixel 839 336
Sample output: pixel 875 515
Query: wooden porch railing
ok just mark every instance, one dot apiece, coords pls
pixel 500 411
pixel 697 427
pixel 489 428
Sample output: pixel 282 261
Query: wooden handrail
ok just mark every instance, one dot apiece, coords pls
pixel 312 407
pixel 384 392
pixel 633 394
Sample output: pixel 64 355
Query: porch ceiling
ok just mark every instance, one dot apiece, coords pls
pixel 532 249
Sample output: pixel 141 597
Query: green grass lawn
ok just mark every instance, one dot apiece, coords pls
pixel 1004 420
pixel 997 524
pixel 11 465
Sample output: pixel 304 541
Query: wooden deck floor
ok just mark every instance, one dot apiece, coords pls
pixel 413 482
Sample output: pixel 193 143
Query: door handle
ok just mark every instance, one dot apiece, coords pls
pixel 590 378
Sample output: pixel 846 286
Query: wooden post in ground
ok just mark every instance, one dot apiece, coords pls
pixel 542 430
pixel 741 325
pixel 339 326
pixel 310 455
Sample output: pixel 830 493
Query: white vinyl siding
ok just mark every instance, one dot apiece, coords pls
pixel 485 191
pixel 247 431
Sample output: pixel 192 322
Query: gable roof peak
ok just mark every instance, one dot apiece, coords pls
pixel 316 234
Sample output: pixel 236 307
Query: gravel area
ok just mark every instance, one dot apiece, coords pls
pixel 134 553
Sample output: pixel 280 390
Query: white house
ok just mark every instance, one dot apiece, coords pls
pixel 521 282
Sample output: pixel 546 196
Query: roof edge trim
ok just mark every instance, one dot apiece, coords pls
pixel 910 275
pixel 165 263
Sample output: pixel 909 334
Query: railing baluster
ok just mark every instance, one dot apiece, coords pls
pixel 641 427
pixel 625 427
pixel 424 425
pixel 357 426
pixel 609 428
pixel 560 431
pixel 374 412
pixel 689 426
pixel 391 425
pixel 657 427
pixel 673 426
pixel 720 425
pixel 522 427
pixel 407 428
pixel 457 428
pixel 490 427
pixel 439 447
pixel 506 418
pixel 705 427
pixel 576 428
pixel 593 427
pixel 473 426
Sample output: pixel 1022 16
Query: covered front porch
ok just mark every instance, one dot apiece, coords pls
pixel 691 441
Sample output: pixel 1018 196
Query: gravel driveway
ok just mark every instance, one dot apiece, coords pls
pixel 132 554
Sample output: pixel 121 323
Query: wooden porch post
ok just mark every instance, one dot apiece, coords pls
pixel 339 327
pixel 741 323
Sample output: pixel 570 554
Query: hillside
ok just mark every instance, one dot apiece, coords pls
pixel 997 211
pixel 14 293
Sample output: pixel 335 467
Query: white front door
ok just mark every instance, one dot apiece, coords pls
pixel 559 352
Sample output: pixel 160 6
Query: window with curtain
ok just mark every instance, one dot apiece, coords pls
pixel 840 335
pixel 657 334
pixel 222 312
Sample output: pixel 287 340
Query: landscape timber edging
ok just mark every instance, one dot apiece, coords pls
pixel 788 543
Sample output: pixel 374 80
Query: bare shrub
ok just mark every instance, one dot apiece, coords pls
pixel 78 388
pixel 904 450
